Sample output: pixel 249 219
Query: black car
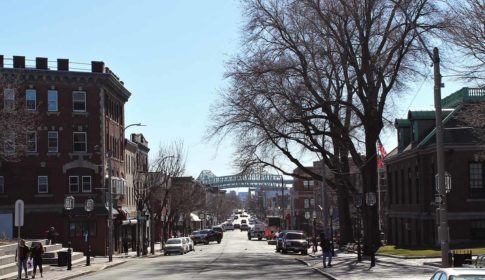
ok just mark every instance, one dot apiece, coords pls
pixel 295 242
pixel 205 236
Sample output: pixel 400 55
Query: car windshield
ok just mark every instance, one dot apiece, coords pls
pixel 206 231
pixel 217 229
pixel 195 232
pixel 292 235
pixel 174 241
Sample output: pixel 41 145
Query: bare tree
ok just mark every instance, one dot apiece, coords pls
pixel 466 33
pixel 336 62
pixel 18 120
pixel 154 187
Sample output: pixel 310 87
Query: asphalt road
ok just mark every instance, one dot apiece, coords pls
pixel 235 258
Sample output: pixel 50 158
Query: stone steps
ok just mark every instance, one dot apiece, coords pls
pixel 8 266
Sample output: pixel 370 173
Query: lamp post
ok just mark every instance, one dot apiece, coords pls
pixel 370 200
pixel 109 155
pixel 358 205
pixel 69 205
pixel 89 206
pixel 330 212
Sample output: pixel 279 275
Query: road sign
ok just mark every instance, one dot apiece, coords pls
pixel 19 213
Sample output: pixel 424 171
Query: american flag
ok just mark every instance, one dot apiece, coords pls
pixel 381 154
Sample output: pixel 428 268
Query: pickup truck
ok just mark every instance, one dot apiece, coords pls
pixel 256 231
pixel 205 236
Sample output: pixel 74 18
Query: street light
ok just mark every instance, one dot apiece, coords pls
pixel 330 212
pixel 109 155
pixel 358 205
pixel 69 205
pixel 89 206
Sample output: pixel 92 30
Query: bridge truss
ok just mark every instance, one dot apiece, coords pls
pixel 250 179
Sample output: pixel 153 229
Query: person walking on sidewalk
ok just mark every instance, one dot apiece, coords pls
pixel 36 253
pixel 326 249
pixel 21 256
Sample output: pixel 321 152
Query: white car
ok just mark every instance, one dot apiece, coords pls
pixel 175 245
pixel 461 273
pixel 190 243
pixel 229 226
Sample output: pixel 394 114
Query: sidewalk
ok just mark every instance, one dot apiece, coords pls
pixel 79 268
pixel 346 266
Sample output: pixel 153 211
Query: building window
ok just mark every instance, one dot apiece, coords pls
pixel 2 184
pixel 42 184
pixel 477 229
pixel 476 175
pixel 73 184
pixel 79 101
pixel 32 142
pixel 8 99
pixel 86 180
pixel 312 202
pixel 9 142
pixel 306 203
pixel 52 101
pixel 308 184
pixel 79 141
pixel 53 141
pixel 31 99
pixel 81 229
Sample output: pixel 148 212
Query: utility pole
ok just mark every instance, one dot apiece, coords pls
pixel 110 206
pixel 443 232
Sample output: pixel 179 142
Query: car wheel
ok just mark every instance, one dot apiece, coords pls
pixel 165 254
pixel 219 241
pixel 260 238
pixel 277 250
pixel 284 251
pixel 206 243
pixel 304 252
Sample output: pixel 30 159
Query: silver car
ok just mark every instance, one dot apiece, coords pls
pixel 175 245
pixel 460 273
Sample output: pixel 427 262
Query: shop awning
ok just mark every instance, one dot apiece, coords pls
pixel 194 217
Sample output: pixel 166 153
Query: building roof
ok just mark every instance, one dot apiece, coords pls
pixel 463 95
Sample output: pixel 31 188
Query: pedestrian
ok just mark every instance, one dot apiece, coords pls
pixel 326 249
pixel 51 235
pixel 21 256
pixel 125 246
pixel 36 253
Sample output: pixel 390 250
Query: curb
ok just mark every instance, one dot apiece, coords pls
pixel 91 271
pixel 302 261
pixel 406 258
pixel 326 274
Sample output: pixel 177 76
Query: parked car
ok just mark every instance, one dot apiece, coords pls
pixel 295 242
pixel 460 273
pixel 279 240
pixel 190 243
pixel 175 245
pixel 218 229
pixel 205 236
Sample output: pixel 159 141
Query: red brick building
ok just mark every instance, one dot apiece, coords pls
pixel 411 170
pixel 80 119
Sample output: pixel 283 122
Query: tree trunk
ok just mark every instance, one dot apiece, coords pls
pixel 152 235
pixel 369 180
pixel 344 215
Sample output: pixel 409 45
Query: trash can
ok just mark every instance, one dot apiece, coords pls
pixel 62 258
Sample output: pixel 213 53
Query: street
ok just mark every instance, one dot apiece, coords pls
pixel 235 258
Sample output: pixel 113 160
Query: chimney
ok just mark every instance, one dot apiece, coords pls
pixel 1 61
pixel 97 66
pixel 18 61
pixel 62 64
pixel 41 63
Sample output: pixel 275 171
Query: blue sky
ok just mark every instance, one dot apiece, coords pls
pixel 170 54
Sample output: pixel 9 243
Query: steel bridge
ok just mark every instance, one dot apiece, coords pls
pixel 250 179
